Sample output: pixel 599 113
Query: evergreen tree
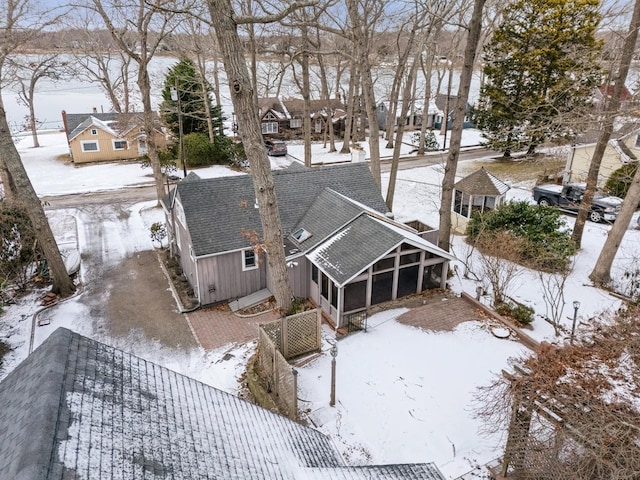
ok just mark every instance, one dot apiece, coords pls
pixel 541 68
pixel 183 80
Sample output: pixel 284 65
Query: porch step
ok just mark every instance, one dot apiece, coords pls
pixel 250 300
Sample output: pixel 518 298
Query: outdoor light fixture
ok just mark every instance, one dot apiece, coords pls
pixel 576 306
pixel 334 354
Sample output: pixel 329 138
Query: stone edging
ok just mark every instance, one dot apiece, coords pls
pixel 526 340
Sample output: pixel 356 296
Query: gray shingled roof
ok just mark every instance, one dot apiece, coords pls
pixel 77 408
pixel 342 256
pixel 218 209
pixel 482 182
pixel 319 224
pixel 75 119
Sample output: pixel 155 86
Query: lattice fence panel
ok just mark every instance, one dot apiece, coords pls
pixel 302 333
pixel 274 332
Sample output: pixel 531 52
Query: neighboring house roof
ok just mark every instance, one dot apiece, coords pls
pixel 626 155
pixel 481 182
pixel 606 90
pixel 79 408
pixel 75 119
pixel 217 210
pixel 92 122
pixel 273 105
pixel 295 106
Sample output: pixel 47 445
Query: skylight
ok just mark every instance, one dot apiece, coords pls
pixel 301 235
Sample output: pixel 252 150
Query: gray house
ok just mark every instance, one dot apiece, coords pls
pixel 77 408
pixel 343 250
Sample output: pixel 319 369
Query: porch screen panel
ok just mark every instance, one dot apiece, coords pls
pixel 355 296
pixel 382 288
pixel 408 280
pixel 432 276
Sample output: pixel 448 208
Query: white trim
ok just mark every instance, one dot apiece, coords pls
pixel 83 143
pixel 246 267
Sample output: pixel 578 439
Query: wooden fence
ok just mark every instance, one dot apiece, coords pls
pixel 281 340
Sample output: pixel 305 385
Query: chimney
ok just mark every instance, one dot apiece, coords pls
pixel 95 110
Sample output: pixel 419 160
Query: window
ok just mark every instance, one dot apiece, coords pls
pixel 295 123
pixel 384 264
pixel 249 261
pixel 91 146
pixel 314 274
pixel 324 286
pixel 94 131
pixel 318 126
pixel 638 141
pixel 120 145
pixel 334 295
pixel 270 127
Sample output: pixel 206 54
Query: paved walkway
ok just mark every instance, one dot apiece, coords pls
pixel 217 326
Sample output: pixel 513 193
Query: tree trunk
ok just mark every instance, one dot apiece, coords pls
pixel 32 113
pixel 607 129
pixel 246 108
pixel 26 195
pixel 144 84
pixel 348 122
pixel 306 95
pixel 426 104
pixel 406 96
pixel 458 120
pixel 370 105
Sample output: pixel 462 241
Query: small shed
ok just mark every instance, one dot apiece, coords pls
pixel 477 192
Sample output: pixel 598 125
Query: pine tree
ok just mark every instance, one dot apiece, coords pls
pixel 182 80
pixel 541 68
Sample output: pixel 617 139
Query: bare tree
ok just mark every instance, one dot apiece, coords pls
pixel 27 76
pixel 109 68
pixel 600 275
pixel 21 20
pixel 448 180
pixel 225 22
pixel 552 284
pixel 138 32
pixel 498 257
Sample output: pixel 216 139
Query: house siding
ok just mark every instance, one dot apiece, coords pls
pixel 580 159
pixel 221 278
pixel 105 142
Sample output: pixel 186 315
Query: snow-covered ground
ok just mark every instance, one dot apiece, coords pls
pixel 403 395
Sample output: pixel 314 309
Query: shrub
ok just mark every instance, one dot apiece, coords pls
pixel 542 240
pixel 198 151
pixel 430 141
pixel 619 182
pixel 519 312
pixel 158 232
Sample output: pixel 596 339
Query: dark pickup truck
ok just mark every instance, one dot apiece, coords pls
pixel 568 197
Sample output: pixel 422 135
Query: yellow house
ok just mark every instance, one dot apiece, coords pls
pixel 104 137
pixel 619 151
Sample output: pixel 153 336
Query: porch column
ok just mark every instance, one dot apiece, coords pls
pixel 445 274
pixel 420 272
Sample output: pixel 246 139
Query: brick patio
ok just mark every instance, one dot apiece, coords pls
pixel 216 327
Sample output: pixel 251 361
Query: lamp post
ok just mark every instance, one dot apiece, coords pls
pixel 175 96
pixel 334 354
pixel 576 306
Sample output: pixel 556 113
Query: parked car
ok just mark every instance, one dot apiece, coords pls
pixel 568 197
pixel 276 148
